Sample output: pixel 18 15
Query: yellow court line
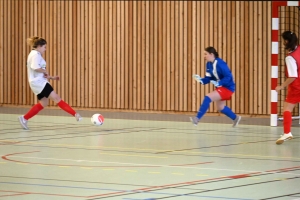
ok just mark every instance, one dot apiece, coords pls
pixel 178 174
pixel 98 147
pixel 158 150
pixel 131 155
pixel 64 166
pixel 245 155
pixel 130 171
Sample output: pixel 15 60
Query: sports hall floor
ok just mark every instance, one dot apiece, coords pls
pixel 145 156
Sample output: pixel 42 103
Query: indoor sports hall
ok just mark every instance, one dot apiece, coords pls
pixel 134 63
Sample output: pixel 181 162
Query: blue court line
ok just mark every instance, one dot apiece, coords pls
pixel 115 190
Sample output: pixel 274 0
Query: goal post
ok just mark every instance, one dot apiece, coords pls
pixel 285 16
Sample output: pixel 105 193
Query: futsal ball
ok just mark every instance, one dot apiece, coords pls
pixel 97 119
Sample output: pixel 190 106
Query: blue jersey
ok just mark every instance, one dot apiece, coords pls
pixel 219 71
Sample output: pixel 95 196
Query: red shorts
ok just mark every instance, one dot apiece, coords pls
pixel 293 96
pixel 224 93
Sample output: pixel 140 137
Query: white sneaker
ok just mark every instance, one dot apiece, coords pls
pixel 284 137
pixel 78 117
pixel 194 120
pixel 23 122
pixel 236 121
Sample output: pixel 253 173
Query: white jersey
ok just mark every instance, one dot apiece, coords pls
pixel 36 80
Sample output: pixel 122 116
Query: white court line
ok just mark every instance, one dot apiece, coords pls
pixel 136 164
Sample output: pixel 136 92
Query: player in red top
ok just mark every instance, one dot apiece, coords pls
pixel 292 61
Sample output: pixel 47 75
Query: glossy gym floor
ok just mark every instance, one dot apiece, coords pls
pixel 145 156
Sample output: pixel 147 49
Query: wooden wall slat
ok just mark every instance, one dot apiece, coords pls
pixel 139 55
pixel 2 14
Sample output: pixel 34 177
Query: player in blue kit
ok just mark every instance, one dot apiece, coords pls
pixel 219 74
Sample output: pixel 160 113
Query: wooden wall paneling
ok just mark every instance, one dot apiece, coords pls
pixel 2 14
pixel 81 54
pixel 101 46
pixel 181 52
pixel 110 52
pixel 233 52
pixel 62 63
pixel 106 54
pixel 13 62
pixel 126 59
pixel 236 72
pixel 143 54
pixel 176 55
pixel 159 54
pixel 189 54
pixel 259 63
pixel 171 45
pixel 154 71
pixel 60 50
pixel 95 52
pixel 98 55
pixel 118 55
pixel 75 41
pixel 163 66
pixel 147 56
pixel 250 73
pixel 246 58
pixel 114 54
pixel 268 58
pixel 206 88
pixel 26 50
pixel 185 56
pixel 151 55
pixel 122 54
pixel 7 54
pixel 54 49
pixel 84 92
pixel 69 56
pixel 130 53
pixel 253 73
pixel 134 53
pixel 155 56
pixel 168 56
pixel 200 45
pixel 239 76
pixel 78 52
pixel 138 54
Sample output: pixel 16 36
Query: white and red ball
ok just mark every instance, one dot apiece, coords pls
pixel 97 119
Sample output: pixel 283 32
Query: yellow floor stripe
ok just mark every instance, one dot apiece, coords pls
pixel 64 166
pixel 131 155
pixel 130 171
pixel 177 174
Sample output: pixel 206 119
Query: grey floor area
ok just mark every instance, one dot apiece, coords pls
pixel 140 156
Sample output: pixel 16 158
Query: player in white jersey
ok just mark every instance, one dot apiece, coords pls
pixel 38 81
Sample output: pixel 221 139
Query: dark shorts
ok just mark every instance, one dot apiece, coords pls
pixel 45 92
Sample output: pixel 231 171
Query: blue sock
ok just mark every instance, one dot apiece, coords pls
pixel 228 112
pixel 204 107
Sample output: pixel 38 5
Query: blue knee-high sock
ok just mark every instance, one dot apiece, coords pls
pixel 204 107
pixel 228 112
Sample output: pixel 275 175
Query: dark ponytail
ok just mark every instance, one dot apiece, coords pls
pixel 292 40
pixel 212 50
